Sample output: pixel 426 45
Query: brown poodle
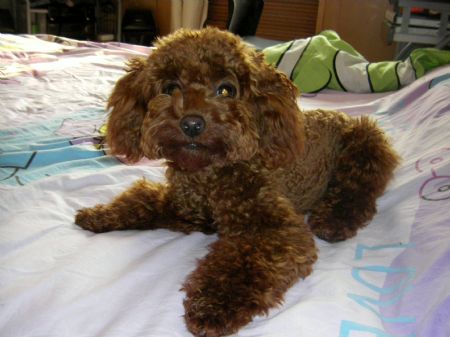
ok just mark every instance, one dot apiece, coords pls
pixel 243 162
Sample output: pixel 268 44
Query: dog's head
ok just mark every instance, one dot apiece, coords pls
pixel 204 98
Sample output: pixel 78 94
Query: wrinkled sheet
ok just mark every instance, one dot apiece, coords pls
pixel 392 279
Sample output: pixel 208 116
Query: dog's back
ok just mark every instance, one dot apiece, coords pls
pixel 305 179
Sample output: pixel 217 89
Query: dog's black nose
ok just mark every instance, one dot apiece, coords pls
pixel 192 125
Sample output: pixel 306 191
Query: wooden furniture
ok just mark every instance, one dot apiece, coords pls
pixel 360 23
pixel 282 20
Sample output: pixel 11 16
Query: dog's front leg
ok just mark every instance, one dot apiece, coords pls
pixel 247 272
pixel 145 205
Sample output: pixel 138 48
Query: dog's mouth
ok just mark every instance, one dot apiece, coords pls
pixel 183 152
pixel 194 147
pixel 192 156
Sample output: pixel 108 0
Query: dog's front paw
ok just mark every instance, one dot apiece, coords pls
pixel 219 304
pixel 96 219
pixel 211 317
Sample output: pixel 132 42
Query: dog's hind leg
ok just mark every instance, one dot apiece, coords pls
pixel 364 166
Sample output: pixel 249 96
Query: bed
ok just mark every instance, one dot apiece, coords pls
pixel 392 279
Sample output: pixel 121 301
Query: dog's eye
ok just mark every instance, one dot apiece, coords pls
pixel 169 88
pixel 226 90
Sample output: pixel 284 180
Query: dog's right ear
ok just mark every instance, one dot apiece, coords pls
pixel 128 104
pixel 282 136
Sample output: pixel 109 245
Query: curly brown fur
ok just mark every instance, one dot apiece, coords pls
pixel 243 162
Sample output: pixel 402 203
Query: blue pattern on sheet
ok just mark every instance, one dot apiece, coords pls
pixel 414 299
pixel 38 150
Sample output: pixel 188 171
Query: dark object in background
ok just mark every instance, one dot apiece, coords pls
pixel 243 16
pixel 77 21
pixel 107 23
pixel 6 22
pixel 138 27
pixel 243 20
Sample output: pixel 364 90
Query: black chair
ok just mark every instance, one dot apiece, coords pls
pixel 244 16
pixel 243 20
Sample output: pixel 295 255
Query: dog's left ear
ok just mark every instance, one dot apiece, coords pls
pixel 281 121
